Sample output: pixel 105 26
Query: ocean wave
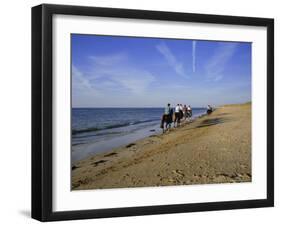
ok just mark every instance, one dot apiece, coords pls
pixel 85 135
pixel 118 125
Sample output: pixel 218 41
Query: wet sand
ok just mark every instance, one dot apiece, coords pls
pixel 212 149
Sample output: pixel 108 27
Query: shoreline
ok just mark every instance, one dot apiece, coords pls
pixel 105 145
pixel 212 148
pixel 80 152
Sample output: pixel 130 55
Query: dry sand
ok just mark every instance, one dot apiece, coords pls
pixel 212 149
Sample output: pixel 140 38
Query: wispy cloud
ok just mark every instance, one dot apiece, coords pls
pixel 83 90
pixel 110 73
pixel 117 69
pixel 171 59
pixel 193 56
pixel 80 83
pixel 108 60
pixel 216 65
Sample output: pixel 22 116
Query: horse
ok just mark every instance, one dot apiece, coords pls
pixel 177 118
pixel 209 111
pixel 188 114
pixel 167 120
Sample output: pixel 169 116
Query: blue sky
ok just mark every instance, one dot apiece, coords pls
pixel 111 71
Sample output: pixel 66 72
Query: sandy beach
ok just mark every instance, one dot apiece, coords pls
pixel 212 149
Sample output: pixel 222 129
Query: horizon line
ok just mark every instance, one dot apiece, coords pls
pixel 131 107
pixel 246 102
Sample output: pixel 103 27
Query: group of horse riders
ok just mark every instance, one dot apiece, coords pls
pixel 170 116
pixel 181 112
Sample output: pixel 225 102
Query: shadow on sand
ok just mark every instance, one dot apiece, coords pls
pixel 211 122
pixel 223 114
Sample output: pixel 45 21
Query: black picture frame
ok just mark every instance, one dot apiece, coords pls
pixel 42 111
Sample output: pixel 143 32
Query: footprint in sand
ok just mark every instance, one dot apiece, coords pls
pixel 172 180
pixel 178 173
pixel 243 166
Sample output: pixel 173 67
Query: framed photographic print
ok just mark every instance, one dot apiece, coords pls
pixel 145 112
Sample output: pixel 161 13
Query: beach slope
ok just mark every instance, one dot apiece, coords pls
pixel 212 149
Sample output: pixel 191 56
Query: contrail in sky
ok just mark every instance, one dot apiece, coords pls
pixel 193 56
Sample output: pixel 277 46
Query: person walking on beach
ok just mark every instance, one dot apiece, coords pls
pixel 177 116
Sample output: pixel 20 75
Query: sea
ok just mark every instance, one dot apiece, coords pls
pixel 96 130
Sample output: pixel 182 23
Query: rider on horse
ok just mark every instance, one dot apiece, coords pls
pixel 167 116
